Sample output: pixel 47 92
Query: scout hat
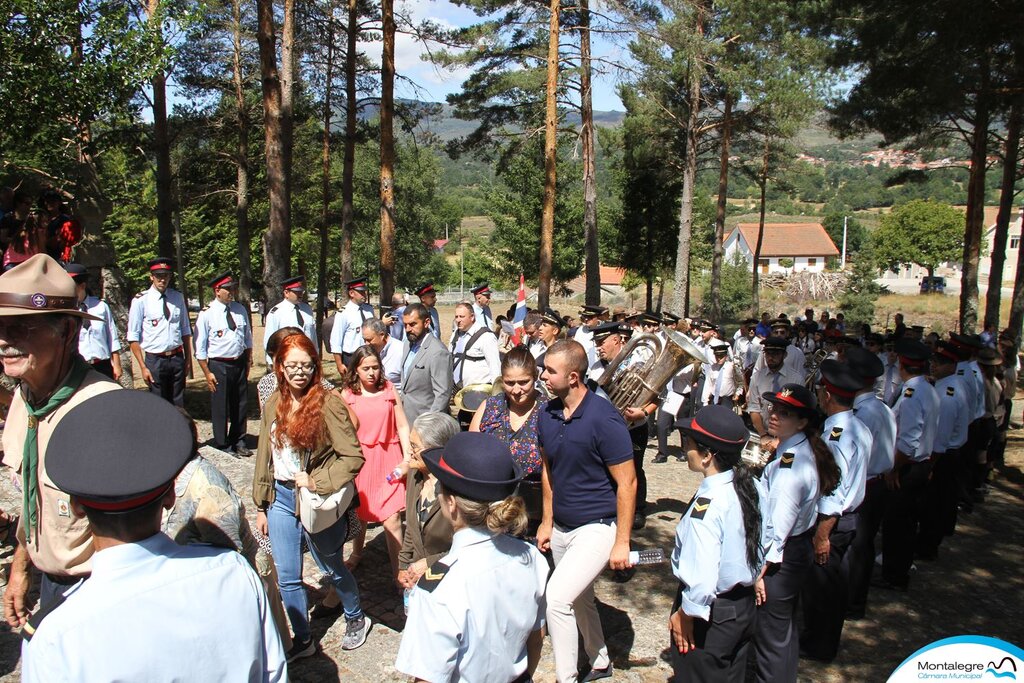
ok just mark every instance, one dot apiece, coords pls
pixel 794 397
pixel 39 285
pixel 145 443
pixel 839 379
pixel 719 429
pixel 475 465
pixel 222 281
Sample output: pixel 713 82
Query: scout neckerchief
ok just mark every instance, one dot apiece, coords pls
pixel 30 457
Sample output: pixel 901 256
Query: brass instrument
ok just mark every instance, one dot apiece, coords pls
pixel 811 364
pixel 642 379
pixel 752 455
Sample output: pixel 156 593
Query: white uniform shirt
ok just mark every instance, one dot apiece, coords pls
pixel 794 362
pixel 472 625
pixel 917 419
pixel 148 325
pixel 157 611
pixel 482 364
pixel 483 315
pixel 585 336
pixel 710 554
pixel 763 381
pixel 347 334
pixel 747 351
pixel 880 421
pixel 954 414
pixel 287 314
pixel 850 442
pixel 215 338
pixel 391 360
pixel 791 481
pixel 719 382
pixel 974 384
pixel 97 339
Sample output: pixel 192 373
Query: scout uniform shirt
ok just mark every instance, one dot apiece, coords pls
pixel 850 442
pixel 791 480
pixel 347 335
pixel 954 414
pixel 917 419
pixel 159 323
pixel 214 336
pixel 97 339
pixel 287 314
pixel 62 543
pixel 881 423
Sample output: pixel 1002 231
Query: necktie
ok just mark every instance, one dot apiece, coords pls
pixel 746 359
pixel 775 382
pixel 298 318
pixel 167 310
pixel 232 325
pixel 718 385
pixel 84 309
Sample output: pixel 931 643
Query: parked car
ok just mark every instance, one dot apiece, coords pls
pixel 933 285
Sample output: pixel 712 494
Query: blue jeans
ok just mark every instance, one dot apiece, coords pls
pixel 326 547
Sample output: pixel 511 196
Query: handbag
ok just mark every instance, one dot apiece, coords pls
pixel 317 513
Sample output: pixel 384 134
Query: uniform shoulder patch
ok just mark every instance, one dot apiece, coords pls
pixel 273 309
pixel 950 391
pixel 835 434
pixel 432 577
pixel 908 392
pixel 786 461
pixel 700 508
pixel 960 372
pixel 139 296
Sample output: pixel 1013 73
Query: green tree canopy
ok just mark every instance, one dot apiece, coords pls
pixel 923 232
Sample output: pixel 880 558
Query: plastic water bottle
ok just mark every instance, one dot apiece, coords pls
pixel 648 556
pixel 405 599
pixel 394 476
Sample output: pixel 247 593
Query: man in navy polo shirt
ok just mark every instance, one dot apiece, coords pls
pixel 589 484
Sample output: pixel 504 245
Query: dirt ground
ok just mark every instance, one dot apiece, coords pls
pixel 976 586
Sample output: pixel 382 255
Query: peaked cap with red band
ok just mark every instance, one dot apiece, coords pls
pixel 795 397
pixel 839 380
pixel 424 289
pixel 160 264
pixel 294 283
pixel 475 465
pixel 133 461
pixel 912 353
pixel 222 280
pixel 718 428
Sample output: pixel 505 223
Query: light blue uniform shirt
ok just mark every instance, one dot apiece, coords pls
pixel 472 625
pixel 99 340
pixel 287 314
pixel 483 315
pixel 954 414
pixel 974 384
pixel 347 334
pixel 148 326
pixel 157 611
pixel 215 339
pixel 850 442
pixel 880 421
pixel 391 360
pixel 435 322
pixel 397 328
pixel 917 419
pixel 791 481
pixel 710 556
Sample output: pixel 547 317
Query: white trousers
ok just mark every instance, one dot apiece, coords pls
pixel 580 555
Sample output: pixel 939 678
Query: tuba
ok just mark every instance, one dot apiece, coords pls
pixel 811 365
pixel 647 364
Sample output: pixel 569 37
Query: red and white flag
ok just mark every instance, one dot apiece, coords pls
pixel 520 314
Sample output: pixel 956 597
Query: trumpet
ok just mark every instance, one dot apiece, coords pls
pixel 644 366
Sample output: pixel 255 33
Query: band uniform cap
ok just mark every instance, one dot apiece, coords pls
pixel 718 428
pixel 604 330
pixel 864 364
pixel 875 338
pixel 781 322
pixel 482 288
pixel 294 283
pixel 717 345
pixel 966 341
pixel 475 465
pixel 751 321
pixel 917 328
pixel 39 285
pixel 650 318
pixel 670 318
pixel 839 379
pixel 795 397
pixel 356 283
pixel 424 289
pixel 704 325
pixel 161 263
pixel 77 271
pixel 850 341
pixel 989 356
pixel 592 311
pixel 551 316
pixel 131 462
pixel 223 280
pixel 775 344
pixel 912 352
pixel 945 352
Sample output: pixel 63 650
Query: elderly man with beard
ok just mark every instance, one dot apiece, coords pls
pixel 39 324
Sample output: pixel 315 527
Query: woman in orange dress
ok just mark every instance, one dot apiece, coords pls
pixel 384 436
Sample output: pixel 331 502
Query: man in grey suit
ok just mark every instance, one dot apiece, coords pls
pixel 426 366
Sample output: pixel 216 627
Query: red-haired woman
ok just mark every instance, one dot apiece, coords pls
pixel 306 441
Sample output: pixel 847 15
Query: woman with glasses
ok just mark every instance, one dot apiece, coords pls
pixel 384 436
pixel 802 470
pixel 306 441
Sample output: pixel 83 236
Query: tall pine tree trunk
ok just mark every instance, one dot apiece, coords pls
pixel 325 161
pixel 161 145
pixel 349 152
pixel 718 248
pixel 763 183
pixel 241 160
pixel 995 276
pixel 277 243
pixel 975 223
pixel 547 222
pixel 289 74
pixel 591 251
pixel 387 155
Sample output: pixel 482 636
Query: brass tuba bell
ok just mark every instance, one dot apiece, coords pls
pixel 643 367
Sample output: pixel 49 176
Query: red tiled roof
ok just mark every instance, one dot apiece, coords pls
pixel 789 239
pixel 610 277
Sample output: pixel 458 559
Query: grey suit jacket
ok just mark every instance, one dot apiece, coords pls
pixel 427 384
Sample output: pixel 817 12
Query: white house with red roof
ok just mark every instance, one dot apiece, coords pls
pixel 801 246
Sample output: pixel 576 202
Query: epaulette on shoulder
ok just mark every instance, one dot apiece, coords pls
pixel 32 625
pixel 950 390
pixel 431 578
pixel 700 508
pixel 835 434
pixel 273 309
pixel 786 461
pixel 908 392
pixel 139 295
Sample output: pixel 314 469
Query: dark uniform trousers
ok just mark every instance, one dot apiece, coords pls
pixel 899 527
pixel 776 640
pixel 825 593
pixel 639 435
pixel 966 464
pixel 939 513
pixel 168 376
pixel 722 643
pixel 859 560
pixel 104 367
pixel 229 402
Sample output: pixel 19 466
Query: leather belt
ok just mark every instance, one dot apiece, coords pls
pixel 166 354
pixel 226 360
pixel 97 361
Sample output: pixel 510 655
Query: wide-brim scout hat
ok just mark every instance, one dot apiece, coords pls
pixel 145 443
pixel 39 285
pixel 718 428
pixel 793 397
pixel 475 465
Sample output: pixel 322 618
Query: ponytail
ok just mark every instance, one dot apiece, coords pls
pixel 750 508
pixel 825 462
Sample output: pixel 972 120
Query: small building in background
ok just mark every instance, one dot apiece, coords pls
pixel 1012 245
pixel 786 247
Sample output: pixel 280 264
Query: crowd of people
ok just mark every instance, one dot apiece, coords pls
pixel 504 465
